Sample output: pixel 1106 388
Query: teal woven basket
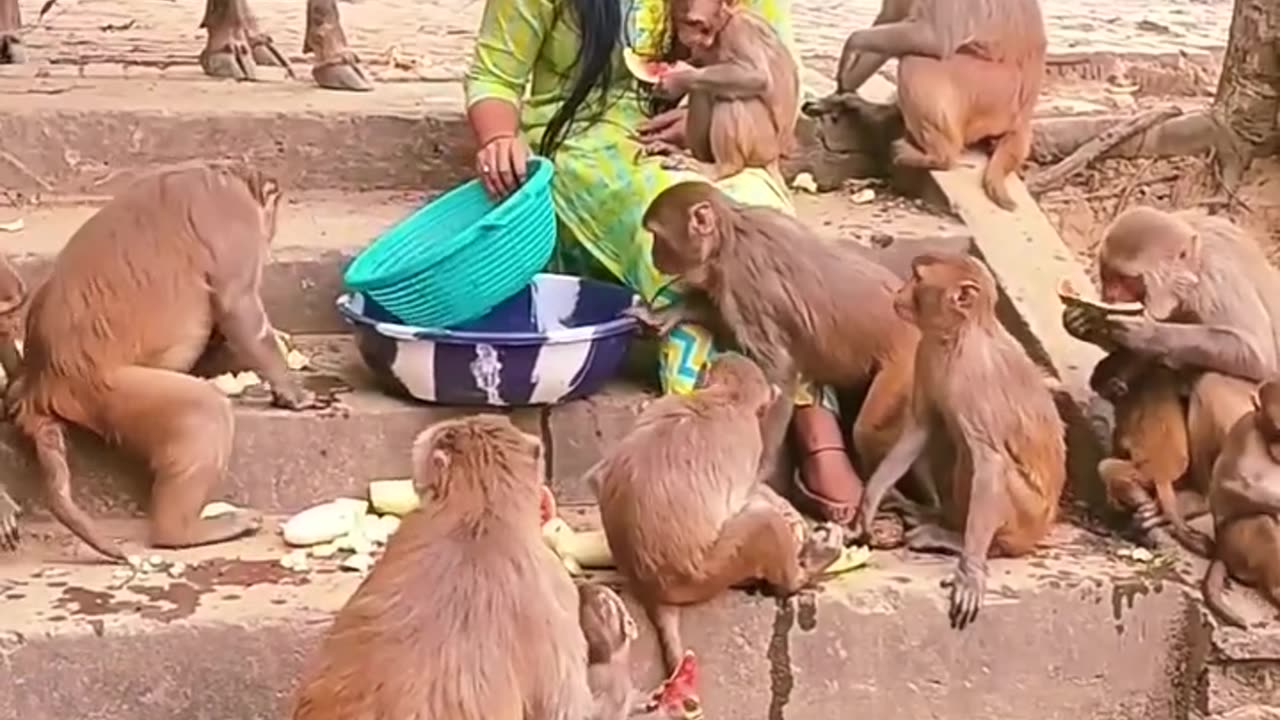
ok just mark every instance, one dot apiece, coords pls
pixel 461 254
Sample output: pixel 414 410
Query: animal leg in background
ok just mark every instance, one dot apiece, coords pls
pixel 235 46
pixel 336 66
pixel 856 67
pixel 11 50
pixel 13 299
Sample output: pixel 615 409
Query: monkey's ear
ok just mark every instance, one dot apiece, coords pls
pixel 702 225
pixel 1256 398
pixel 965 295
pixel 1191 253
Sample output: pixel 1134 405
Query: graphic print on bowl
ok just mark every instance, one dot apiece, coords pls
pixel 558 339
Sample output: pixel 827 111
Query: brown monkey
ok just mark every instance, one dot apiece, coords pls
pixel 794 303
pixel 13 300
pixel 985 423
pixel 743 87
pixel 966 71
pixel 609 630
pixel 469 615
pixel 1245 499
pixel 236 46
pixel 1150 442
pixel 128 309
pixel 1212 311
pixel 684 512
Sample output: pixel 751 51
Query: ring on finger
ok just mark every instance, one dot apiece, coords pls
pixel 485 169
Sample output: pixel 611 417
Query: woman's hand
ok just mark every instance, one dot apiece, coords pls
pixel 667 127
pixel 502 165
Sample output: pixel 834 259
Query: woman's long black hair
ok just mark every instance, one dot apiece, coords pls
pixel 601 31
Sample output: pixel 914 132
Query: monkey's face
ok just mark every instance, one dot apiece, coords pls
pixel 1151 258
pixel 683 245
pixel 698 27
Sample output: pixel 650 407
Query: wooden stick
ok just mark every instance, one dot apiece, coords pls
pixel 1052 177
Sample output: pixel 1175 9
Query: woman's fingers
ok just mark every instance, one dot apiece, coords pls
pixel 520 160
pixel 504 167
pixel 484 170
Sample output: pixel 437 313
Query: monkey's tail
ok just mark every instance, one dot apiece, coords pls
pixel 1212 587
pixel 1010 152
pixel 46 434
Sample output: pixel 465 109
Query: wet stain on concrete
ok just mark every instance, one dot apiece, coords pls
pixel 178 599
pixel 781 680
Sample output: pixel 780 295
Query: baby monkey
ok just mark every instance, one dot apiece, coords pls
pixel 743 87
pixel 1245 499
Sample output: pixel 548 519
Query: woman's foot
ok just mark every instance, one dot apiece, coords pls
pixel 828 487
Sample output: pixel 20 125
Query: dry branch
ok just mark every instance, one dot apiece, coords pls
pixel 1054 176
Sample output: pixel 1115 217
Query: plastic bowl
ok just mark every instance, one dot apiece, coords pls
pixel 460 255
pixel 558 339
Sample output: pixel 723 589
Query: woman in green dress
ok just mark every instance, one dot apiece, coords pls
pixel 548 74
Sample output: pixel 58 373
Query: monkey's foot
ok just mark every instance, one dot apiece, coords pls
pixel 342 73
pixel 207 531
pixel 1148 517
pixel 822 548
pixel 907 155
pixel 967 590
pixel 930 538
pixel 9 513
pixel 11 50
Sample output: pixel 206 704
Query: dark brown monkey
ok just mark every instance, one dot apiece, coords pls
pixel 13 300
pixel 236 45
pixel 1152 451
pixel 609 630
pixel 128 309
pixel 469 615
pixel 966 71
pixel 684 512
pixel 1245 499
pixel 985 423
pixel 1212 312
pixel 743 87
pixel 794 303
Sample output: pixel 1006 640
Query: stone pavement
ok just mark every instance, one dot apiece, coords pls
pixel 432 38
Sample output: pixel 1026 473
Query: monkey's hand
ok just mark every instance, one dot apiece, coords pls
pixel 9 513
pixel 661 321
pixel 968 585
pixel 1083 324
pixel 1135 333
pixel 294 397
pixel 675 84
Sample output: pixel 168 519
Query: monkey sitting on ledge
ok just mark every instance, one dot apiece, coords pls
pixel 132 303
pixel 13 300
pixel 984 424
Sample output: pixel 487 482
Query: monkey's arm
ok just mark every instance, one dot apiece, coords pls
pixel 243 322
pixel 988 507
pixel 1210 347
pixel 731 81
pixel 904 453
pixel 904 38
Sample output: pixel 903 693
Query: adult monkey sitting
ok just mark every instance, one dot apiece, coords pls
pixel 1212 310
pixel 548 74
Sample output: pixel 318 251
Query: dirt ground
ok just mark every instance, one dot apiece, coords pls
pixel 432 38
pixel 1154 53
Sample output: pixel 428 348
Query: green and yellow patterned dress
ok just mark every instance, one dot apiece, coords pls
pixel 602 184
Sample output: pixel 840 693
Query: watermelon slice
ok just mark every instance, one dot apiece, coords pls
pixel 677 696
pixel 644 69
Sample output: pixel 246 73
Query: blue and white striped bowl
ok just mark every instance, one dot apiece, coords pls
pixel 558 339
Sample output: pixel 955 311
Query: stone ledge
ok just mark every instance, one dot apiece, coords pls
pixel 1071 634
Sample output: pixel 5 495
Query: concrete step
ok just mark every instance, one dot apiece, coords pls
pixel 73 135
pixel 1074 633
pixel 284 461
pixel 319 231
